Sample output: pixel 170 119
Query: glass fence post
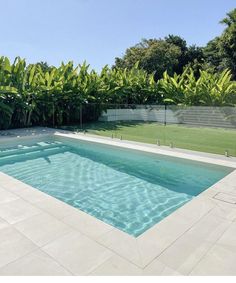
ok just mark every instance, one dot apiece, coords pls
pixel 53 114
pixel 81 117
pixel 165 115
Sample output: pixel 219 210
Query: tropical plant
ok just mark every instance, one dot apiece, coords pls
pixel 33 95
pixel 215 89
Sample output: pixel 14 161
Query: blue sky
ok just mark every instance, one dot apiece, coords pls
pixel 100 30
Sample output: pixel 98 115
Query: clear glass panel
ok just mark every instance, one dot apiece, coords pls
pixel 206 129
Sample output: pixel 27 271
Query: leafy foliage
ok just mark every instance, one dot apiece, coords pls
pixel 32 95
pixel 36 95
pixel 220 52
pixel 170 54
pixel 209 89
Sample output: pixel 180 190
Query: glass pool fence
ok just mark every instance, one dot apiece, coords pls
pixel 200 128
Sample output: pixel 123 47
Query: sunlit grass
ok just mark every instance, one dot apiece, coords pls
pixel 213 140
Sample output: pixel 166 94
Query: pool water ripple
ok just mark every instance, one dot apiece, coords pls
pixel 130 190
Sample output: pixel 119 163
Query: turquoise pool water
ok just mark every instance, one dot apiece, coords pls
pixel 128 189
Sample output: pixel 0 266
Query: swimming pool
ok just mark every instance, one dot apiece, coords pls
pixel 128 189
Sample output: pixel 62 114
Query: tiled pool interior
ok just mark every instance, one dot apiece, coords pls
pixel 128 189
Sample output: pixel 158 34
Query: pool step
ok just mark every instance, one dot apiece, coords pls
pixel 35 151
pixel 25 149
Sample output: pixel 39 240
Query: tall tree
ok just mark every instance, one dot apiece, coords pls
pixel 156 56
pixel 220 53
pixel 228 42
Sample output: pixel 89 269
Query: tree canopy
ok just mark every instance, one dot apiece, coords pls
pixel 156 56
pixel 220 53
pixel 172 54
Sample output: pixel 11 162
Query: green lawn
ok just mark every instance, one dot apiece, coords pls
pixel 213 140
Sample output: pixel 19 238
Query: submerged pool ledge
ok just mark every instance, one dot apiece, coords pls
pixel 169 247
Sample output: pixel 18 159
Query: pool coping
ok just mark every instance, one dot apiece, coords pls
pixel 144 250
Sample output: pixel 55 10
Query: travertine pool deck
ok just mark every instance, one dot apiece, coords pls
pixel 40 235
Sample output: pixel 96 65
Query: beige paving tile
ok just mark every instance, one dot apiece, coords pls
pixel 14 188
pixel 188 250
pixel 210 192
pixel 42 228
pixel 17 210
pixel 123 244
pixel 6 178
pixel 33 195
pixel 219 261
pixel 77 253
pixel 225 185
pixel 228 239
pixel 36 263
pixel 157 268
pixel 87 224
pixel 6 196
pixel 195 209
pixel 55 207
pixel 225 210
pixel 3 223
pixel 13 245
pixel 117 266
pixel 11 184
pixel 152 243
pixel 143 249
pixel 226 197
pixel 159 237
pixel 228 188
